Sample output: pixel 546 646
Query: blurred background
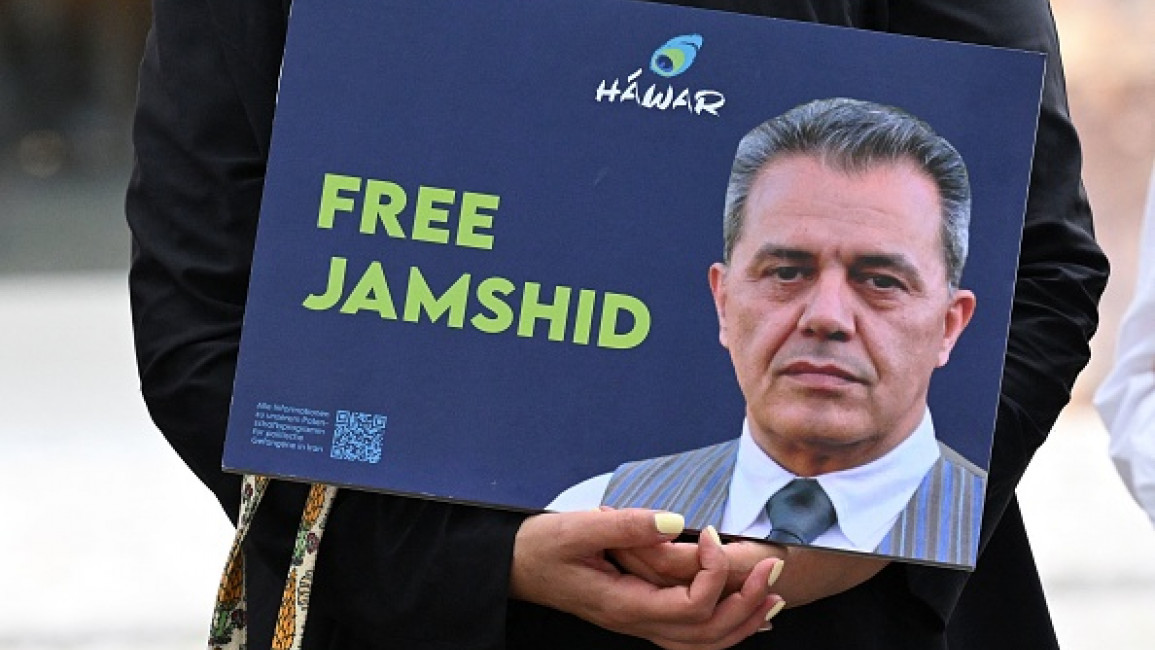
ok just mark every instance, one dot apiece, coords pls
pixel 117 546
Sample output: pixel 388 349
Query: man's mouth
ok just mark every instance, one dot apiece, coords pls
pixel 820 374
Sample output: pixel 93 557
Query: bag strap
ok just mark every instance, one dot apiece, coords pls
pixel 228 629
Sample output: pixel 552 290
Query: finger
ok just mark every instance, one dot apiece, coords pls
pixel 679 606
pixel 740 614
pixel 737 616
pixel 759 620
pixel 597 531
pixel 776 567
pixel 670 564
pixel 778 606
pixel 716 634
pixel 710 580
pixel 637 563
pixel 744 556
pixel 663 565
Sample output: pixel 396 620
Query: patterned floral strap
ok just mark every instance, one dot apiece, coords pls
pixel 228 629
pixel 299 584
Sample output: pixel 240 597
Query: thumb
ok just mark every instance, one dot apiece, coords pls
pixel 632 527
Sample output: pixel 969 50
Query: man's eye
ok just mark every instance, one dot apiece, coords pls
pixel 787 273
pixel 883 281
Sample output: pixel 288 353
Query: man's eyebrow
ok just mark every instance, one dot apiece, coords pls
pixel 775 251
pixel 898 262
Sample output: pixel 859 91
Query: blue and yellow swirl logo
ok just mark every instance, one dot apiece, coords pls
pixel 676 56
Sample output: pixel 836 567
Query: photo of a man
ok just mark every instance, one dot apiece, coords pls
pixel 838 295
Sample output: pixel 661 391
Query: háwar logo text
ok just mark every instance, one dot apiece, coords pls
pixel 673 58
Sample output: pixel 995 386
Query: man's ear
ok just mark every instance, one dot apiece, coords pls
pixel 958 315
pixel 717 277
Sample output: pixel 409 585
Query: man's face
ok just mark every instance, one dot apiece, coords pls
pixel 835 308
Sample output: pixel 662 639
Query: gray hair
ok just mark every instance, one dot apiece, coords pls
pixel 852 135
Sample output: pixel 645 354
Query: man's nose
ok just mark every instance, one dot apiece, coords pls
pixel 828 312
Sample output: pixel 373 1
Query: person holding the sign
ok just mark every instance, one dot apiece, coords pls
pixel 406 573
pixel 838 295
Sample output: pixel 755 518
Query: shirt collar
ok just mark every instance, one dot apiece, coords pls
pixel 867 499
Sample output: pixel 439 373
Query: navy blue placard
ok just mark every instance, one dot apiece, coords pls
pixel 454 102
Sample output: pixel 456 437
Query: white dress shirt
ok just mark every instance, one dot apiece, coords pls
pixel 1126 398
pixel 867 499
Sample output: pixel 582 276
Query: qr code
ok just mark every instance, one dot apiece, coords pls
pixel 358 436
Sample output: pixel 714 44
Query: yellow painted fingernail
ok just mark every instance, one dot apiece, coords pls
pixel 713 535
pixel 775 573
pixel 775 609
pixel 669 523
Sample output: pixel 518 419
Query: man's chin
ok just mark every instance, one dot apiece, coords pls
pixel 818 430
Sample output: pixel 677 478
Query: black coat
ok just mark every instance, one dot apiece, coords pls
pixel 399 573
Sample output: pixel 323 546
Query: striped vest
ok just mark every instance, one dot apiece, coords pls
pixel 940 523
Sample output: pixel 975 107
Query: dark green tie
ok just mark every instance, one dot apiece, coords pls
pixel 799 512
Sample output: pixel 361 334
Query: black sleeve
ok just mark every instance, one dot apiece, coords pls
pixel 1062 271
pixel 390 568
